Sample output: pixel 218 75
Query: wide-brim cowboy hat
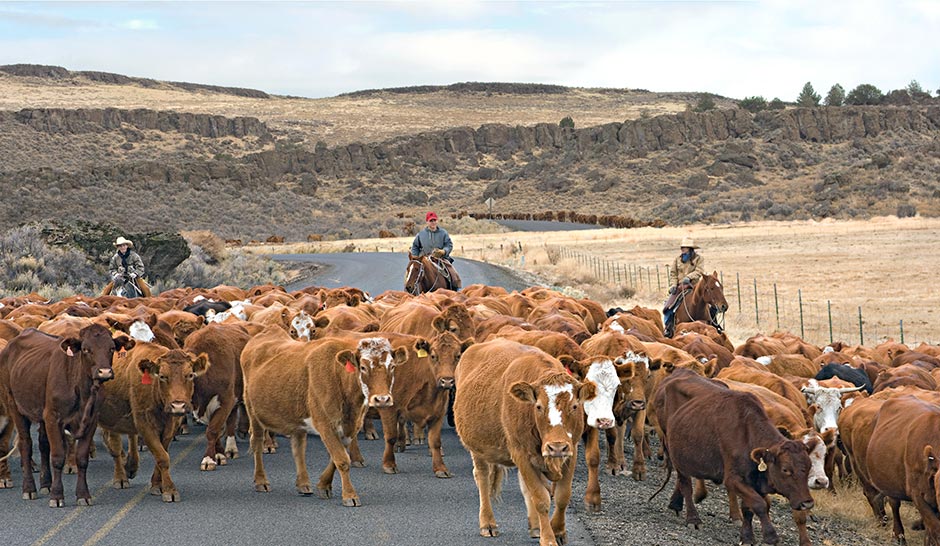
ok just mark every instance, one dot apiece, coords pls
pixel 687 242
pixel 122 241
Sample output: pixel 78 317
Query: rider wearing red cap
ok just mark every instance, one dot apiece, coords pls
pixel 433 240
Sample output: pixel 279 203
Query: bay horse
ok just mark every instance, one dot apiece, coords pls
pixel 421 275
pixel 706 303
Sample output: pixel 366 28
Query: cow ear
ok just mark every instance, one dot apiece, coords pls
pixel 439 323
pixel 151 319
pixel 785 431
pixel 321 322
pixel 400 356
pixel 812 409
pixel 148 365
pixel 587 391
pixel 625 370
pixel 523 392
pixel 115 323
pixel 814 441
pixel 124 342
pixel 201 364
pixel 710 367
pixel 570 364
pixel 465 344
pixel 759 454
pixel 71 346
pixel 422 345
pixel 346 356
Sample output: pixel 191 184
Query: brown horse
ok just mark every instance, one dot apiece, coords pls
pixel 422 275
pixel 706 303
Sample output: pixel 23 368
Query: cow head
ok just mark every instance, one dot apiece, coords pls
pixel 172 376
pixel 786 466
pixel 374 362
pixel 556 405
pixel 444 353
pixel 611 378
pixel 816 447
pixel 456 320
pixel 303 326
pixel 95 347
pixel 827 402
pixel 184 327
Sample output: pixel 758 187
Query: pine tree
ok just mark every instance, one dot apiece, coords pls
pixel 808 96
pixel 836 96
pixel 865 93
pixel 753 104
pixel 776 104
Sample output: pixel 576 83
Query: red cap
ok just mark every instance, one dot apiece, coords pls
pixel 430 216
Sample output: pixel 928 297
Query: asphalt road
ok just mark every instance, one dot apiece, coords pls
pixel 222 508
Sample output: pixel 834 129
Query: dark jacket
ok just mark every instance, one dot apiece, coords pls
pixel 426 241
pixel 117 270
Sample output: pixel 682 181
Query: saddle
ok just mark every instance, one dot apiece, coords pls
pixel 446 270
pixel 674 299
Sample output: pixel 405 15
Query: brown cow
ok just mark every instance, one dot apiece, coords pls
pixel 322 386
pixel 749 372
pixel 6 436
pixel 151 393
pixel 416 318
pixel 181 324
pixel 517 406
pixel 907 431
pixel 908 374
pixel 704 329
pixel 216 393
pixel 714 433
pixel 56 382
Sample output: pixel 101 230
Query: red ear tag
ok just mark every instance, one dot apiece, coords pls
pixel 69 352
pixel 146 379
pixel 567 369
pixel 349 367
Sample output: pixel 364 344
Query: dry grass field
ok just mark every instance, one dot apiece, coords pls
pixel 885 266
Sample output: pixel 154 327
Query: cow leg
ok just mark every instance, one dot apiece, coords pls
pixel 298 447
pixel 257 435
pixel 45 470
pixel 217 422
pixel 356 459
pixel 734 507
pixel 434 446
pixel 562 496
pixel 638 434
pixel 896 514
pixel 488 478
pixel 112 441
pixel 231 427
pixel 391 431
pixel 616 462
pixel 752 503
pixel 339 459
pixel 368 429
pixel 6 435
pixel 530 510
pixel 418 436
pixel 684 483
pixel 701 491
pixel 82 453
pixel 71 464
pixel 54 456
pixel 676 501
pixel 404 437
pixel 270 442
pixel 160 482
pixel 540 500
pixel 132 464
pixel 25 444
pixel 931 522
pixel 592 456
pixel 799 518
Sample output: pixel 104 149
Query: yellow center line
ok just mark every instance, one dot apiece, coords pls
pixel 116 518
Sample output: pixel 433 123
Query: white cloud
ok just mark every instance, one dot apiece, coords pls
pixel 139 24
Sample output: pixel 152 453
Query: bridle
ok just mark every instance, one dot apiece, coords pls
pixel 415 289
pixel 717 320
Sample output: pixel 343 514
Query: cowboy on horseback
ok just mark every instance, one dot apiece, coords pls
pixel 687 270
pixel 127 271
pixel 433 240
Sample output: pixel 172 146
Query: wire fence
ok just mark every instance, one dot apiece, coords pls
pixel 755 306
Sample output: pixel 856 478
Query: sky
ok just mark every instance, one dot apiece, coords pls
pixel 320 49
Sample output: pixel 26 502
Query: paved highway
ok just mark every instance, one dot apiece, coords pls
pixel 221 507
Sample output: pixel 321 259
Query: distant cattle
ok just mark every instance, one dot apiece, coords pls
pixel 274 239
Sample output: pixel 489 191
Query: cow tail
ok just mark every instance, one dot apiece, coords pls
pixel 16 437
pixel 668 465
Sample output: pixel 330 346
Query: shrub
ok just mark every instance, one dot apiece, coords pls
pixel 776 104
pixel 566 122
pixel 865 93
pixel 753 104
pixel 705 103
pixel 210 243
pixel 906 210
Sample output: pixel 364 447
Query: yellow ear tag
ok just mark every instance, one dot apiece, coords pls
pixel 762 466
pixel 422 353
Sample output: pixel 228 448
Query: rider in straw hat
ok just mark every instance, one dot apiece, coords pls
pixel 125 268
pixel 687 269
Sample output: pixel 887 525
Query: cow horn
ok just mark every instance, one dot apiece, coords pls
pixel 851 389
pixel 810 390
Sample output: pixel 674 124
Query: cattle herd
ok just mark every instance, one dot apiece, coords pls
pixel 525 377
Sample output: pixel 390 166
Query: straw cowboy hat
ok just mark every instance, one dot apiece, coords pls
pixel 687 242
pixel 122 241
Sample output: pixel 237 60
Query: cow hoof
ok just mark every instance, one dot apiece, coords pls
pixel 5 483
pixel 592 508
pixel 121 484
pixel 269 449
pixel 390 469
pixel 131 473
pixel 70 469
pixel 324 493
pixel 56 503
pixel 220 459
pixel 172 496
pixel 357 464
pixel 617 469
pixel 156 490
pixel 30 496
pixel 418 442
pixel 207 464
pixel 371 435
pixel 84 502
pixel 535 533
pixel 263 487
pixel 400 447
pixel 901 540
pixel 443 474
pixel 562 538
pixel 638 475
pixel 352 502
pixel 305 490
pixel 489 531
pixel 231 453
pixel 44 490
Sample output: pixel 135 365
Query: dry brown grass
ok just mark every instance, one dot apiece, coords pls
pixel 849 504
pixel 885 265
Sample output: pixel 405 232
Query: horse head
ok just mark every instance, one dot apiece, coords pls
pixel 414 271
pixel 712 292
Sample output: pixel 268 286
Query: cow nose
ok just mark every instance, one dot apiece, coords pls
pixel 105 373
pixel 819 483
pixel 637 405
pixel 558 449
pixel 604 423
pixel 446 382
pixel 380 400
pixel 178 408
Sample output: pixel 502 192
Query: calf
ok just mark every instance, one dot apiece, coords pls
pixel 323 387
pixel 55 382
pixel 517 406
pixel 714 433
pixel 151 393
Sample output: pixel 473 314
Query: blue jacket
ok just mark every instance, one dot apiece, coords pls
pixel 427 240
